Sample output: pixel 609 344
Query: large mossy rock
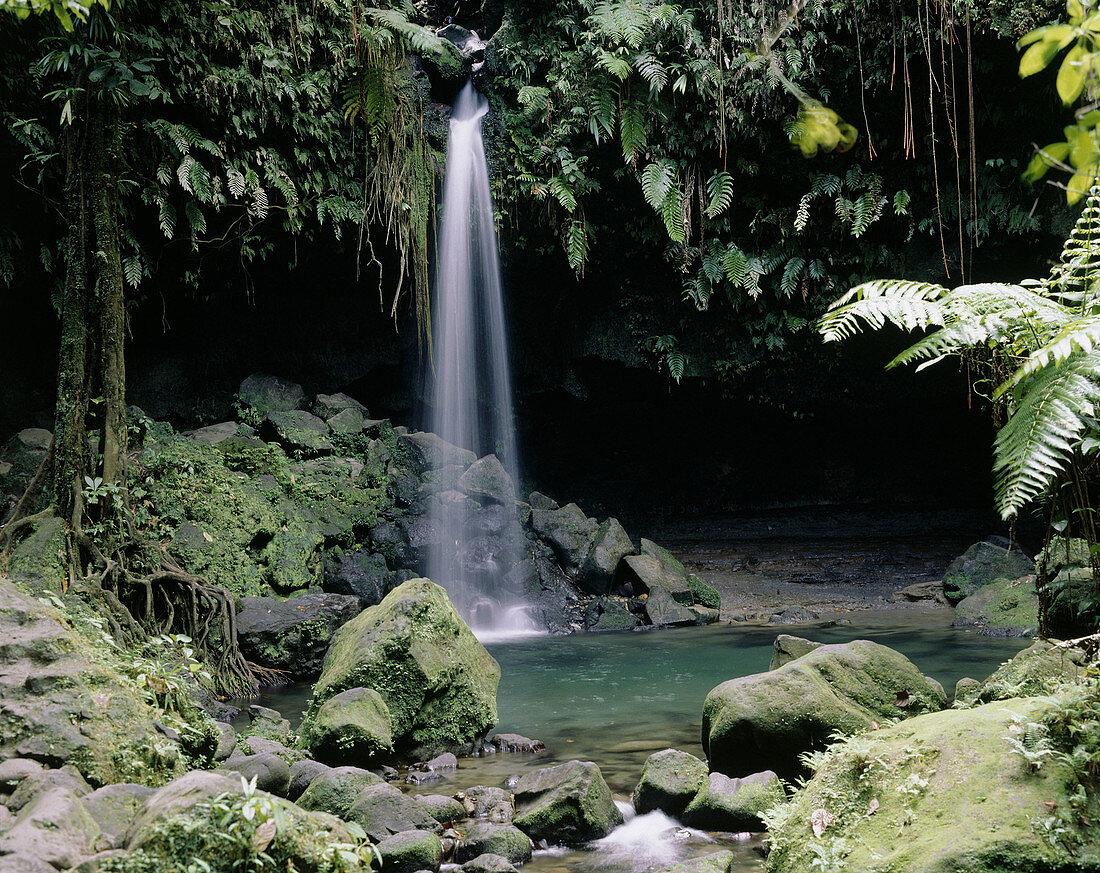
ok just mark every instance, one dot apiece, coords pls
pixel 61 702
pixel 382 810
pixel 670 780
pixel 494 838
pixel 769 719
pixel 1036 670
pixel 411 851
pixel 1074 605
pixel 981 564
pixel 787 648
pixel 292 635
pixel 566 804
pixel 735 805
pixel 950 793
pixel 361 573
pixel 335 791
pixel 1003 608
pixel 353 727
pixel 437 680
pixel 302 434
pixel 54 827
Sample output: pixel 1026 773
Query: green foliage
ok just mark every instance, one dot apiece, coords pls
pixel 65 11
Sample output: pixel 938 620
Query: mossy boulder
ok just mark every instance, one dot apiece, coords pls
pixel 62 700
pixel 260 394
pixel 715 862
pixel 54 827
pixel 1074 604
pixel 382 810
pixel 939 793
pixel 272 773
pixel 725 804
pixel 787 648
pixel 336 790
pixel 292 635
pixel 493 838
pixel 411 851
pixel 1003 608
pixel 981 564
pixel 38 555
pixel 670 780
pixel 437 680
pixel 1038 669
pixel 770 719
pixel 351 727
pixel 566 804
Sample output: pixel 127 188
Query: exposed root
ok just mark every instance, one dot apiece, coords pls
pixel 17 518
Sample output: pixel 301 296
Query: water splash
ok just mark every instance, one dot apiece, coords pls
pixel 471 390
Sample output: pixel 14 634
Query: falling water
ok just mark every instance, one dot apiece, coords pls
pixel 471 392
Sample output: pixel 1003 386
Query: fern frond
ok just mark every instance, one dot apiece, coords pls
pixel 1053 411
pixel 658 180
pixel 908 305
pixel 719 194
pixel 576 245
pixel 652 70
pixel 1078 336
pixel 614 63
pixel 632 131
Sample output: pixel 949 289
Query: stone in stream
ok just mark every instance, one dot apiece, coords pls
pixel 489 864
pixel 566 804
pixel 272 773
pixel 716 862
pixel 302 774
pixel 336 790
pixel 353 726
pixel 606 614
pixel 487 480
pixel 981 564
pixel 438 682
pixel 411 851
pixel 516 743
pixel 492 803
pixel 734 805
pixel 663 610
pixel 292 635
pixel 442 808
pixel 269 724
pixel 670 780
pixel 494 839
pixel 787 648
pixel 967 796
pixel 770 719
pixel 381 810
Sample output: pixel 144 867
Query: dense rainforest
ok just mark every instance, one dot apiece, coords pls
pixel 293 414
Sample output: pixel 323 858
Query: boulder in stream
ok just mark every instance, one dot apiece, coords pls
pixel 981 564
pixel 382 810
pixel 770 719
pixel 486 837
pixel 734 805
pixel 1002 608
pixel 566 804
pixel 787 648
pixel 336 790
pixel 438 682
pixel 670 780
pixel 353 726
pixel 411 851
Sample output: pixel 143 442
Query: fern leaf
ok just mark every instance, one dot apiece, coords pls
pixel 908 305
pixel 632 131
pixel 614 63
pixel 652 71
pixel 658 180
pixel 719 194
pixel 576 245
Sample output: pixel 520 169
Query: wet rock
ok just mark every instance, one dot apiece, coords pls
pixel 227 741
pixel 327 406
pixel 1034 671
pixel 263 394
pixel 437 680
pixel 566 804
pixel 568 531
pixel 302 775
pixel 487 802
pixel 382 810
pixel 431 452
pixel 922 592
pixel 541 501
pixel 115 807
pixel 53 827
pixel 974 807
pixel 442 808
pixel 300 433
pixel 516 743
pixel 670 780
pixel 663 610
pixel 770 719
pixel 981 564
pixel 410 851
pixel 734 805
pixel 794 615
pixel 485 837
pixel 487 480
pixel 612 544
pixel 388 540
pixel 1001 608
pixel 272 773
pixel 269 724
pixel 362 574
pixel 350 421
pixel 787 648
pixel 352 726
pixel 966 688
pixel 292 635
pixel 432 770
pixel 213 434
pixel 605 614
pixel 716 862
pixel 335 790
pixel 489 864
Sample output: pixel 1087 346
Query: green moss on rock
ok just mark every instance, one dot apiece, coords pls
pixel 1002 608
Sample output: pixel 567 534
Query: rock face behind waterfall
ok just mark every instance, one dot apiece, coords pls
pixel 768 720
pixel 436 679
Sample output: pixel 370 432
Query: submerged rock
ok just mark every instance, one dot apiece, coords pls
pixel 981 564
pixel 956 787
pixel 770 719
pixel 725 804
pixel 292 635
pixel 670 780
pixel 566 804
pixel 438 682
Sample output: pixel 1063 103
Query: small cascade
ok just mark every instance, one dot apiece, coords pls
pixel 470 388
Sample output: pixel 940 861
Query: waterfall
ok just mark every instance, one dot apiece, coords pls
pixel 471 393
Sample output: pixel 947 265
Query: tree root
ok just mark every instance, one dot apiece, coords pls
pixel 17 518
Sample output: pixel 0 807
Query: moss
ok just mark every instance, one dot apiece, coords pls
pixel 1038 669
pixel 941 792
pixel 704 593
pixel 39 555
pixel 1002 607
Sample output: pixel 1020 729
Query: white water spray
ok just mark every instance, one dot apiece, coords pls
pixel 471 391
